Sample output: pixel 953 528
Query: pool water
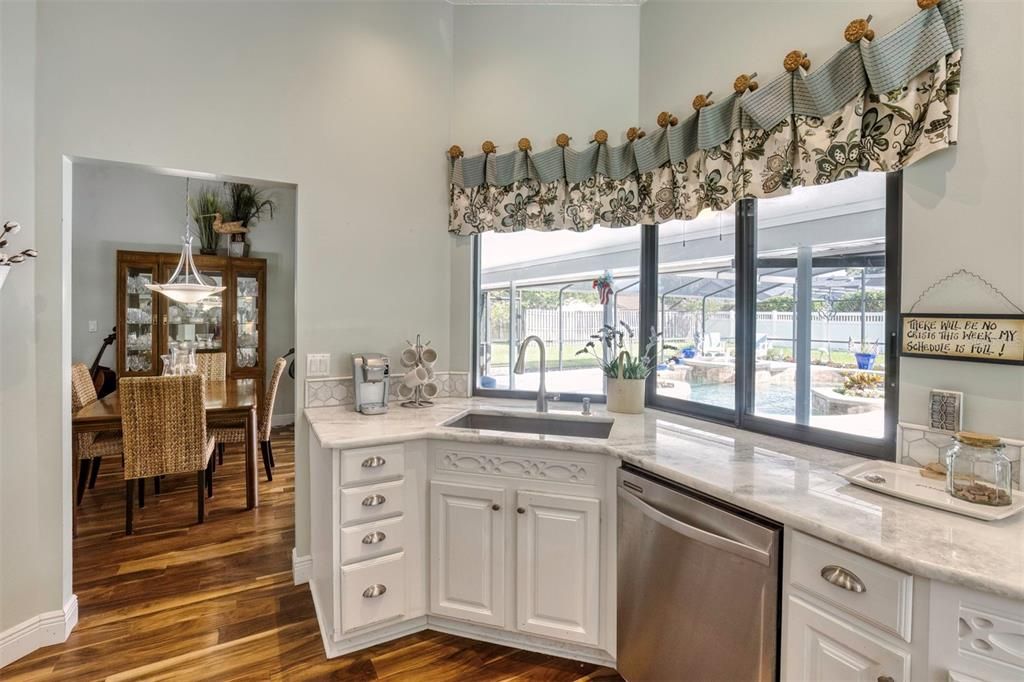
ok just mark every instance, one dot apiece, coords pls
pixel 771 399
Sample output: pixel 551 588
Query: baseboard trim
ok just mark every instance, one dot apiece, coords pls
pixel 282 419
pixel 302 567
pixel 45 629
pixel 519 640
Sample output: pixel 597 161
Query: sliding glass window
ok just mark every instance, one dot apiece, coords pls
pixel 783 314
pixel 541 284
pixel 696 312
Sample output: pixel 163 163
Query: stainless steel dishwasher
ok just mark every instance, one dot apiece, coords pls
pixel 698 587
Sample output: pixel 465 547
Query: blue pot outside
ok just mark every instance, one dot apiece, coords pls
pixel 662 366
pixel 487 382
pixel 689 353
pixel 865 360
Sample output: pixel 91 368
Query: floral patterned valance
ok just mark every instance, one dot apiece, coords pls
pixel 879 104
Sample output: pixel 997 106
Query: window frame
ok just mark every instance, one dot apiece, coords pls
pixel 746 262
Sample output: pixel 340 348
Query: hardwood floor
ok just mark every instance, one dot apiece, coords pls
pixel 183 601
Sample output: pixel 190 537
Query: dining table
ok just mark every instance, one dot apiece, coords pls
pixel 232 399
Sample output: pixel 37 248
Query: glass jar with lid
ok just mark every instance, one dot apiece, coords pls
pixel 979 470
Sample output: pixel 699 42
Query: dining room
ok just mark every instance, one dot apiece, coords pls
pixel 182 381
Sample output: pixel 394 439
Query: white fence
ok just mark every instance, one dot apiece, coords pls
pixel 578 325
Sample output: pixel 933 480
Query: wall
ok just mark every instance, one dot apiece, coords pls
pixel 117 206
pixel 34 563
pixel 352 101
pixel 536 71
pixel 960 206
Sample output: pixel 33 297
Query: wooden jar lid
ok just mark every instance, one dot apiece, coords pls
pixel 978 440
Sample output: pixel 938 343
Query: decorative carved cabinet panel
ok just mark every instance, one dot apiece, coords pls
pixel 231 322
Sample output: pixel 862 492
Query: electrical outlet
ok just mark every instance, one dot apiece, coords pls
pixel 318 364
pixel 92 326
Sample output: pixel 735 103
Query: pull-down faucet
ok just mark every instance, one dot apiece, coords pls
pixel 542 394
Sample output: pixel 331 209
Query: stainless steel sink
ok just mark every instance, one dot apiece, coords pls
pixel 547 424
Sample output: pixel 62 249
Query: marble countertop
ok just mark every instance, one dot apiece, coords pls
pixel 791 483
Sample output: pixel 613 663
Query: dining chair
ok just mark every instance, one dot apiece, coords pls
pixel 213 366
pixel 163 420
pixel 235 434
pixel 90 448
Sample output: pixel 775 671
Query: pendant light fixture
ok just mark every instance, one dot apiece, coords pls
pixel 192 288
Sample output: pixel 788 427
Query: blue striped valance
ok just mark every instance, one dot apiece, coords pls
pixel 877 104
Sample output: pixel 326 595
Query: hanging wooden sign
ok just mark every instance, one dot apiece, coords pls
pixel 953 336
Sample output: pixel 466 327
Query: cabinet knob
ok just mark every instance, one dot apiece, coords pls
pixel 496 507
pixel 374 537
pixel 843 578
pixel 520 510
pixel 885 678
pixel 374 462
pixel 374 591
pixel 374 500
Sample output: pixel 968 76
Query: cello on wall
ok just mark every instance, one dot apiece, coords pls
pixel 104 379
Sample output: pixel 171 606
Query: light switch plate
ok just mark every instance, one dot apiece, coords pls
pixel 318 364
pixel 92 326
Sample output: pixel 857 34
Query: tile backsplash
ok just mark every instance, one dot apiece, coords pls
pixel 920 445
pixel 339 391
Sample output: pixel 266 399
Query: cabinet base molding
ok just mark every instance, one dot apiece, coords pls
pixel 450 626
pixel 45 629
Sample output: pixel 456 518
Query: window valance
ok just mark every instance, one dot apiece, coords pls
pixel 879 104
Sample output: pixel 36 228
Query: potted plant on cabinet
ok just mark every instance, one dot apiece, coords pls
pixel 205 207
pixel 626 374
pixel 246 205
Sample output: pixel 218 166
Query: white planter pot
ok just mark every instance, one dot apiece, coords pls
pixel 4 270
pixel 626 395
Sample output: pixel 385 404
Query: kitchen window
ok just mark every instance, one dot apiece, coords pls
pixel 541 284
pixel 781 314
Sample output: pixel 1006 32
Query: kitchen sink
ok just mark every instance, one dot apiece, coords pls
pixel 543 424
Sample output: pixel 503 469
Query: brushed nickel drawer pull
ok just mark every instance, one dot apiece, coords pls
pixel 840 577
pixel 374 591
pixel 374 537
pixel 374 500
pixel 374 462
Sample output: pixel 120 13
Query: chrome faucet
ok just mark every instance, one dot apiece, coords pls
pixel 542 394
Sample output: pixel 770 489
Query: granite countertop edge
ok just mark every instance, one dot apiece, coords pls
pixel 914 562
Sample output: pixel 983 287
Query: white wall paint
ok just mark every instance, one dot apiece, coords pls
pixel 536 72
pixel 32 557
pixel 961 207
pixel 131 208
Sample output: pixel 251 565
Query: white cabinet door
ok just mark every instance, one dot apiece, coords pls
pixel 821 646
pixel 558 566
pixel 467 551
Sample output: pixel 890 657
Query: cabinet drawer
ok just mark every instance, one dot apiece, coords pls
pixel 371 464
pixel 371 502
pixel 372 591
pixel 372 539
pixel 874 592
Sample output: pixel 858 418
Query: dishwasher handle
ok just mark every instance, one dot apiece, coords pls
pixel 698 534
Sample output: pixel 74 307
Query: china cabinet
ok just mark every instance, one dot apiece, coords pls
pixel 231 322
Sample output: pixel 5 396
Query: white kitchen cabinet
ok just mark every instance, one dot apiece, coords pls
pixel 820 645
pixel 467 552
pixel 558 565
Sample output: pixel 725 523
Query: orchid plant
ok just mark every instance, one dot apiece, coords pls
pixel 10 229
pixel 623 365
